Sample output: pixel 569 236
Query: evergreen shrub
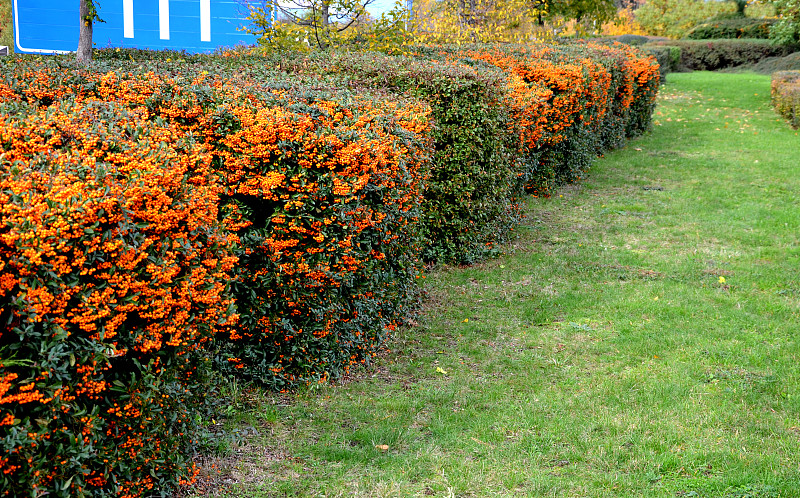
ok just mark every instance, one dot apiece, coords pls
pixel 308 204
pixel 771 65
pixel 634 40
pixel 546 96
pixel 470 197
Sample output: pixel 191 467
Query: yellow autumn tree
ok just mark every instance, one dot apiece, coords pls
pixel 319 24
pixel 468 21
pixel 624 24
pixel 513 21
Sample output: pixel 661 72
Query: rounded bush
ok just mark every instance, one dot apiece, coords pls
pixel 634 40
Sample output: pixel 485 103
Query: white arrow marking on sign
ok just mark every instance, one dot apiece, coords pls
pixel 163 19
pixel 205 20
pixel 127 18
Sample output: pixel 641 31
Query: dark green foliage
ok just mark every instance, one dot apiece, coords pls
pixel 770 65
pixel 732 27
pixel 711 55
pixel 470 199
pixel 633 40
pixel 669 58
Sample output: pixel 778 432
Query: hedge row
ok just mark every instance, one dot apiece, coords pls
pixel 786 96
pixel 138 207
pixel 711 55
pixel 161 217
pixel 470 200
pixel 771 65
pixel 507 118
pixel 669 58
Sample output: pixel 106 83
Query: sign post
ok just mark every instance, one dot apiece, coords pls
pixel 51 26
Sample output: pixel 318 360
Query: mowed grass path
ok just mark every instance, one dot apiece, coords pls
pixel 639 338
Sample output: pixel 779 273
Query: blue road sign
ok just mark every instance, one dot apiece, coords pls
pixel 51 26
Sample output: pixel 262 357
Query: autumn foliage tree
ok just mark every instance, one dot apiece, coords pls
pixel 674 18
pixel 512 21
pixel 306 24
pixel 787 29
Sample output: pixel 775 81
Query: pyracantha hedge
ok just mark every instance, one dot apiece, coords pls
pixel 270 218
pixel 786 96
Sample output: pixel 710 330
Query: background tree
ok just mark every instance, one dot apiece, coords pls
pixel 787 29
pixel 674 18
pixel 466 21
pixel 581 10
pixel 503 20
pixel 740 6
pixel 303 24
pixel 623 24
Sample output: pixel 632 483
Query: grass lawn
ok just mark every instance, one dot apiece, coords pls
pixel 639 338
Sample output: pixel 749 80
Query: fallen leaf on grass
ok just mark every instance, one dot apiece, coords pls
pixel 481 442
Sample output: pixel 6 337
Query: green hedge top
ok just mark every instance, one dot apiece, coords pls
pixel 710 55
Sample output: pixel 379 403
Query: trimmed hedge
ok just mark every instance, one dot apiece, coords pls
pixel 329 196
pixel 113 275
pixel 470 197
pixel 321 190
pixel 669 59
pixel 731 27
pixel 318 200
pixel 786 96
pixel 266 217
pixel 633 40
pixel 771 65
pixel 593 97
pixel 477 95
pixel 712 55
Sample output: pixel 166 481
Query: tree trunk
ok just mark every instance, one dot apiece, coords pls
pixel 325 13
pixel 84 53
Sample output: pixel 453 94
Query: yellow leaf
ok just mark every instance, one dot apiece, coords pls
pixel 721 279
pixel 441 370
